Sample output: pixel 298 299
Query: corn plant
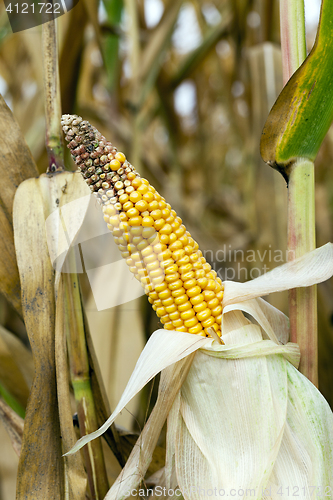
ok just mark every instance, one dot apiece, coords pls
pixel 239 412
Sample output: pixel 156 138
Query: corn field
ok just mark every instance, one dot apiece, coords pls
pixel 183 88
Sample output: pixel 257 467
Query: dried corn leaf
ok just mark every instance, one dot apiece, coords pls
pixel 16 165
pixel 35 200
pixel 41 444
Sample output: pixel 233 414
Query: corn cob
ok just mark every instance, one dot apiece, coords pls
pixel 181 286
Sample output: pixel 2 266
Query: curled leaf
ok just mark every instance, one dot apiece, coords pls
pixel 303 112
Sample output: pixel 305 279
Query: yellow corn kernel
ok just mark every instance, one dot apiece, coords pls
pixel 213 303
pixel 175 285
pixel 187 314
pixel 168 325
pixel 190 283
pixel 156 273
pixel 184 260
pixel 160 311
pixel 165 318
pixel 177 323
pixel 174 315
pixel 202 282
pixel 185 268
pixel 189 323
pixel 208 322
pixel 160 288
pixel 154 296
pixel 141 245
pixel 141 205
pixel 185 306
pixel 115 165
pixel 171 309
pixel 164 255
pixel 159 224
pixel 192 292
pixel 171 278
pixel 195 329
pixel 171 269
pixel 216 311
pixel 208 295
pixel 197 299
pixel 172 238
pixel 204 315
pixel 165 294
pixel 181 299
pixel 200 307
pixel 166 263
pixel 199 273
pixel 178 254
pixel 156 214
pixel 181 329
pixel 135 221
pixel 188 276
pixel 168 301
pixel 166 229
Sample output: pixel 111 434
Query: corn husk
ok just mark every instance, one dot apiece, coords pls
pixel 244 417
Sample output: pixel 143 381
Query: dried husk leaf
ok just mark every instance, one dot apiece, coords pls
pixel 273 322
pixel 228 408
pixel 258 424
pixel 142 453
pixel 41 446
pixel 16 165
pixel 171 348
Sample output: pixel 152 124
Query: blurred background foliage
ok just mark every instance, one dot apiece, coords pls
pixel 183 88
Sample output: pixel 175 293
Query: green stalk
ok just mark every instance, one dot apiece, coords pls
pixel 301 206
pixel 293 42
pixel 302 239
pixel 80 379
pixel 54 145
